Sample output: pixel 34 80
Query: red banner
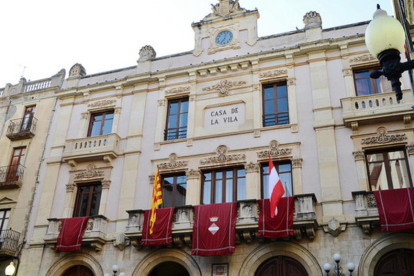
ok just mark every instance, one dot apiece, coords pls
pixel 395 208
pixel 279 226
pixel 162 233
pixel 71 233
pixel 214 230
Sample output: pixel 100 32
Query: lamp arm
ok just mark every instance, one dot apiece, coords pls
pixel 409 65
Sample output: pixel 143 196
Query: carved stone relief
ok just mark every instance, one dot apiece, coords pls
pixel 383 137
pixel 410 149
pixel 223 87
pixel 177 90
pixel 90 172
pixel 222 157
pixel 101 103
pixel 252 167
pixel 363 58
pixel 77 70
pixel 359 155
pixel 297 163
pixel 274 73
pixel 173 163
pixel 371 201
pixel 225 8
pixel 70 187
pixel 312 19
pixel 193 174
pixel 274 151
pixel 147 53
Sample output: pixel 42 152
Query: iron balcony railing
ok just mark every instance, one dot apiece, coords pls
pixel 9 241
pixel 175 133
pixel 21 128
pixel 281 118
pixel 11 176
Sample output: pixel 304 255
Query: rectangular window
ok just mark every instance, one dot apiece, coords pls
pixel 88 200
pixel 285 174
pixel 174 190
pixel 28 118
pixel 223 185
pixel 101 123
pixel 177 119
pixel 367 86
pixel 16 163
pixel 388 169
pixel 4 221
pixel 275 105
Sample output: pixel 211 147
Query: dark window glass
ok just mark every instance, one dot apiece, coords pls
pixel 177 120
pixel 388 169
pixel 223 185
pixel 174 190
pixel 88 200
pixel 285 174
pixel 275 105
pixel 366 86
pixel 101 124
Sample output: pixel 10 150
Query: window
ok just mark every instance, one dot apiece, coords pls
pixel 388 169
pixel 177 119
pixel 88 200
pixel 223 185
pixel 285 174
pixel 4 220
pixel 366 86
pixel 174 190
pixel 15 169
pixel 275 105
pixel 28 118
pixel 101 124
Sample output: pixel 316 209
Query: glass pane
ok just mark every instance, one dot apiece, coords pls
pixel 174 108
pixel 8 214
pixel 207 176
pixel 183 120
pixel 281 91
pixel 384 85
pixel 82 205
pixel 363 87
pixel 6 221
pixel 219 192
pixel 207 193
pixel 84 189
pixel 219 175
pixel 181 179
pixel 107 127
pixel 377 176
pixel 229 174
pixel 184 107
pixel 97 188
pixel 286 179
pixel 396 155
pixel 1 214
pixel 241 173
pixel 172 121
pixel 265 186
pixel 96 129
pixel 375 157
pixel 96 199
pixel 109 116
pixel 241 188
pixel 269 93
pixel 167 194
pixel 364 74
pixel 284 168
pixel 168 180
pixel 229 190
pixel 180 195
pixel 283 118
pixel 399 174
pixel 282 105
pixel 97 117
pixel 269 107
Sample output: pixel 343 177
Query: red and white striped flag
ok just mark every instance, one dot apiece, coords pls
pixel 276 190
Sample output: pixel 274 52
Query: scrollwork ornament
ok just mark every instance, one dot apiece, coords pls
pixel 274 73
pixel 102 103
pixel 274 151
pixel 363 58
pixel 173 163
pixel 383 137
pixel 177 90
pixel 224 86
pixel 359 155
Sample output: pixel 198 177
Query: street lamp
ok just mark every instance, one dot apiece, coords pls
pixel 338 269
pixel 385 38
pixel 10 269
pixel 115 269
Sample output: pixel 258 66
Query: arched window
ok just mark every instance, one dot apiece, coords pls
pixel 395 263
pixel 169 268
pixel 78 270
pixel 281 266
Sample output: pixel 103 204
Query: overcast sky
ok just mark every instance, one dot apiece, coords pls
pixel 48 35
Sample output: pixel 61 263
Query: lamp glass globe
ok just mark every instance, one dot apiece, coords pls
pixel 115 268
pixel 337 257
pixel 327 267
pixel 122 274
pixel 350 266
pixel 10 269
pixel 384 33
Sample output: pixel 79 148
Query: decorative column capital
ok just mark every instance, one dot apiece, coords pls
pixel 106 184
pixel 252 167
pixel 70 187
pixel 297 163
pixel 359 155
pixel 410 149
pixel 193 174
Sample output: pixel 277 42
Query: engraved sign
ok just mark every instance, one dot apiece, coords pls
pixel 225 116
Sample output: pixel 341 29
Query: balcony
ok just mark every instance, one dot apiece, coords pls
pixel 9 243
pixel 22 128
pixel 95 233
pixel 376 106
pixel 11 177
pixel 366 212
pixel 104 147
pixel 304 222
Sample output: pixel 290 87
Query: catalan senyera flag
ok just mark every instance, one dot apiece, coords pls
pixel 156 200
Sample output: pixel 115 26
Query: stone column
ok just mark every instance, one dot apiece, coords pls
pixel 71 191
pixel 104 197
pixel 361 170
pixel 253 183
pixel 193 195
pixel 297 176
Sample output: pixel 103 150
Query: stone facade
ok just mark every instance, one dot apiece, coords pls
pixel 325 139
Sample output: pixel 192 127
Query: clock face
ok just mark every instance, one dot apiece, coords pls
pixel 224 37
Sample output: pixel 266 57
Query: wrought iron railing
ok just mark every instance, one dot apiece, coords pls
pixel 175 133
pixel 9 241
pixel 11 176
pixel 22 127
pixel 281 118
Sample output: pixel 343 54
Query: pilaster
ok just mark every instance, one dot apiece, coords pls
pixel 361 170
pixel 252 180
pixel 193 187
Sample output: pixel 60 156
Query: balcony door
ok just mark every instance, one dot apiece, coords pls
pixel 281 266
pixel 16 162
pixel 28 118
pixel 4 220
pixel 78 270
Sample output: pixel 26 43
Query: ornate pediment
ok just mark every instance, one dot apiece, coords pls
pixel 91 172
pixel 225 8
pixel 383 138
pixel 222 157
pixel 173 163
pixel 274 151
pixel 223 87
pixel 7 200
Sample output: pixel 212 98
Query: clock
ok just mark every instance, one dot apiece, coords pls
pixel 224 37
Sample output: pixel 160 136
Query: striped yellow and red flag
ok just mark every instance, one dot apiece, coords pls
pixel 156 200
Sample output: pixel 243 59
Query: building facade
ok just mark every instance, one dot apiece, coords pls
pixel 208 120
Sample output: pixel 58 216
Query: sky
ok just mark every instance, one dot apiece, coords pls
pixel 40 37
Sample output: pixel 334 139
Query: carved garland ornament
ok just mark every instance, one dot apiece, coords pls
pixel 177 90
pixel 222 157
pixel 274 73
pixel 383 137
pixel 102 103
pixel 274 151
pixel 363 58
pixel 90 172
pixel 173 163
pixel 223 87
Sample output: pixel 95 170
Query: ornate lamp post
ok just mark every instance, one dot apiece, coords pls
pixel 337 271
pixel 385 39
pixel 115 269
